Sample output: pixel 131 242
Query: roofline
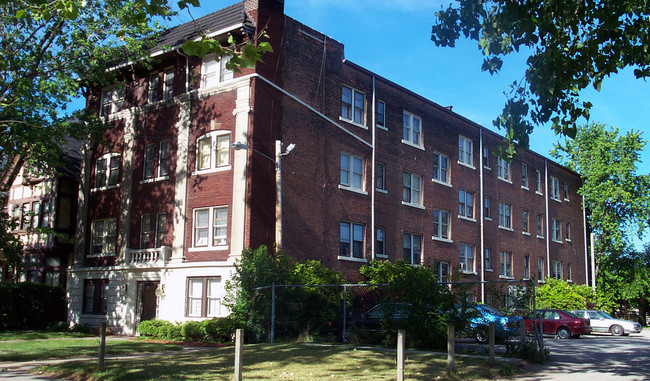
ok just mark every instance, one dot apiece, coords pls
pixel 448 111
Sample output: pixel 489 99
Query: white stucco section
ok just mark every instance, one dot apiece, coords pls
pixel 180 191
pixel 241 113
pixel 126 188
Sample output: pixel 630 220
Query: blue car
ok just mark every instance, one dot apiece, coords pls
pixel 479 316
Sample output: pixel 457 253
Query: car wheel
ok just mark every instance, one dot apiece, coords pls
pixel 616 330
pixel 563 333
pixel 482 336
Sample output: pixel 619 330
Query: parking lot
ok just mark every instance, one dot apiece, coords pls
pixel 596 357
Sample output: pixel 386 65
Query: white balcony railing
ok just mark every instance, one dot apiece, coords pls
pixel 158 255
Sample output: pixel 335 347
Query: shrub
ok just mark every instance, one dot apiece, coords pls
pixel 173 332
pixel 191 331
pixel 30 306
pixel 220 330
pixel 154 328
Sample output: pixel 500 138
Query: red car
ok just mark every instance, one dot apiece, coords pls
pixel 562 323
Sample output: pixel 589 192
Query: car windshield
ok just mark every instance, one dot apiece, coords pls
pixel 604 314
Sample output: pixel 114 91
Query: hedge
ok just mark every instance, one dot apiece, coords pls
pixel 218 330
pixel 26 306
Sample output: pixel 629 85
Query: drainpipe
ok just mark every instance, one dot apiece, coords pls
pixel 187 69
pixel 548 221
pixel 481 216
pixel 372 177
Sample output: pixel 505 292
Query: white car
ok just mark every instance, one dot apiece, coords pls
pixel 603 323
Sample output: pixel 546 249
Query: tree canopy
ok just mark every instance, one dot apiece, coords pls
pixel 571 45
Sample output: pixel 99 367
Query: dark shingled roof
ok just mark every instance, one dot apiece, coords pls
pixel 221 19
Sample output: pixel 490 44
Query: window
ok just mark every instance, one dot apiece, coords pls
pixel 525 221
pixel 503 169
pixel 556 230
pixel 353 171
pixel 214 72
pixel 526 267
pixel 104 236
pixel 412 129
pixel 505 258
pixel 211 227
pixel 441 224
pixel 505 218
pixel 161 229
pixel 524 175
pixel 149 152
pixel 440 168
pixel 567 232
pixel 486 158
pixel 145 231
pixel 353 105
pixel 163 159
pixel 213 151
pixel 380 242
pixel 107 170
pixel 465 151
pixel 556 270
pixel 154 88
pixel 45 214
pixel 568 272
pixel 351 240
pixel 168 88
pixel 566 192
pixel 487 208
pixel 540 269
pixel 203 297
pixel 488 258
pixel 538 181
pixel 465 204
pixel 540 226
pixel 412 248
pixel 411 189
pixel 442 271
pixel 466 258
pixel 25 222
pixel 380 175
pixel 381 114
pixel 95 296
pixel 113 99
pixel 555 189
pixel 35 214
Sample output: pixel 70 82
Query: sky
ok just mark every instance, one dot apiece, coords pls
pixel 392 39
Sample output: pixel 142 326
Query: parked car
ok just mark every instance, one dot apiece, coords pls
pixel 602 322
pixel 479 316
pixel 563 324
pixel 373 318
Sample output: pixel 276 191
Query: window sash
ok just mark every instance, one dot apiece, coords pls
pixel 525 221
pixel 504 215
pixel 161 229
pixel 104 236
pixel 380 244
pixel 411 131
pixel 503 169
pixel 223 150
pixel 145 231
pixel 154 84
pixel 381 114
pixel 201 227
pixel 149 152
pixel 465 150
pixel 351 239
pixel 205 153
pixel 524 175
pixel 440 168
pixel 465 204
pixel 466 257
pixel 412 245
pixel 114 170
pixel 381 176
pixel 220 230
pixel 441 223
pixel 168 91
pixel 488 258
pixel 352 171
pixel 411 188
pixel 163 159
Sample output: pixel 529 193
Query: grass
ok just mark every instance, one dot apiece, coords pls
pixel 285 362
pixel 39 335
pixel 53 347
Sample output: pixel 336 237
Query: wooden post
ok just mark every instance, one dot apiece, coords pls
pixel 400 355
pixel 239 350
pixel 451 336
pixel 102 345
pixel 491 341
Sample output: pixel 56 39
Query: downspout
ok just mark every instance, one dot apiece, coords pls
pixel 548 221
pixel 584 227
pixel 481 215
pixel 372 178
pixel 187 69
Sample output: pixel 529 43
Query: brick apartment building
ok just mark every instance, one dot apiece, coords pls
pixel 378 172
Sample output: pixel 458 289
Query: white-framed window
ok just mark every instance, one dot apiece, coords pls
pixel 168 84
pixel 568 272
pixel 149 157
pixel 538 181
pixel 540 225
pixel 380 176
pixel 163 159
pixel 380 242
pixel 557 270
pixel 412 245
pixel 353 105
pixel 505 215
pixel 556 230
pixel 465 151
pixel 202 298
pixel 540 269
pixel 505 258
pixel 487 208
pixel 210 227
pixel 113 99
pixel 351 239
pixel 411 189
pixel 441 224
pixel 440 168
pixel 555 188
pixel 149 168
pixel 524 175
pixel 486 158
pixel 154 88
pixel 161 229
pixel 566 192
pixel 104 236
pixel 466 258
pixel 145 230
pixel 567 231
pixel 45 213
pixel 95 298
pixel 465 204
pixel 214 72
pixel 442 271
pixel 381 114
pixel 488 259
pixel 526 228
pixel 213 151
pixel 353 172
pixel 503 169
pixel 526 267
pixel 26 219
pixel 107 170
pixel 35 214
pixel 412 129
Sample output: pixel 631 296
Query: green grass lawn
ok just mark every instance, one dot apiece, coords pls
pixel 36 335
pixel 284 362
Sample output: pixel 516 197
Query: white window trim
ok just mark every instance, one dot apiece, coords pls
pixel 442 239
pixel 414 204
pixel 219 74
pixel 462 162
pixel 213 154
pixel 163 177
pixel 92 235
pixel 365 109
pixel 107 157
pixel 350 170
pixel 409 142
pixel 152 76
pixel 446 240
pixel 211 227
pixel 114 100
pixel 448 182
pixel 355 190
pixel 505 163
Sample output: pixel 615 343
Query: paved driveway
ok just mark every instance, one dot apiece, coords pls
pixel 596 358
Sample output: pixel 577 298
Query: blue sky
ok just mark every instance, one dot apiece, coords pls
pixel 392 39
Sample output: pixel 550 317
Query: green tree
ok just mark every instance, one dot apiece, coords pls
pixel 627 278
pixel 571 45
pixel 556 293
